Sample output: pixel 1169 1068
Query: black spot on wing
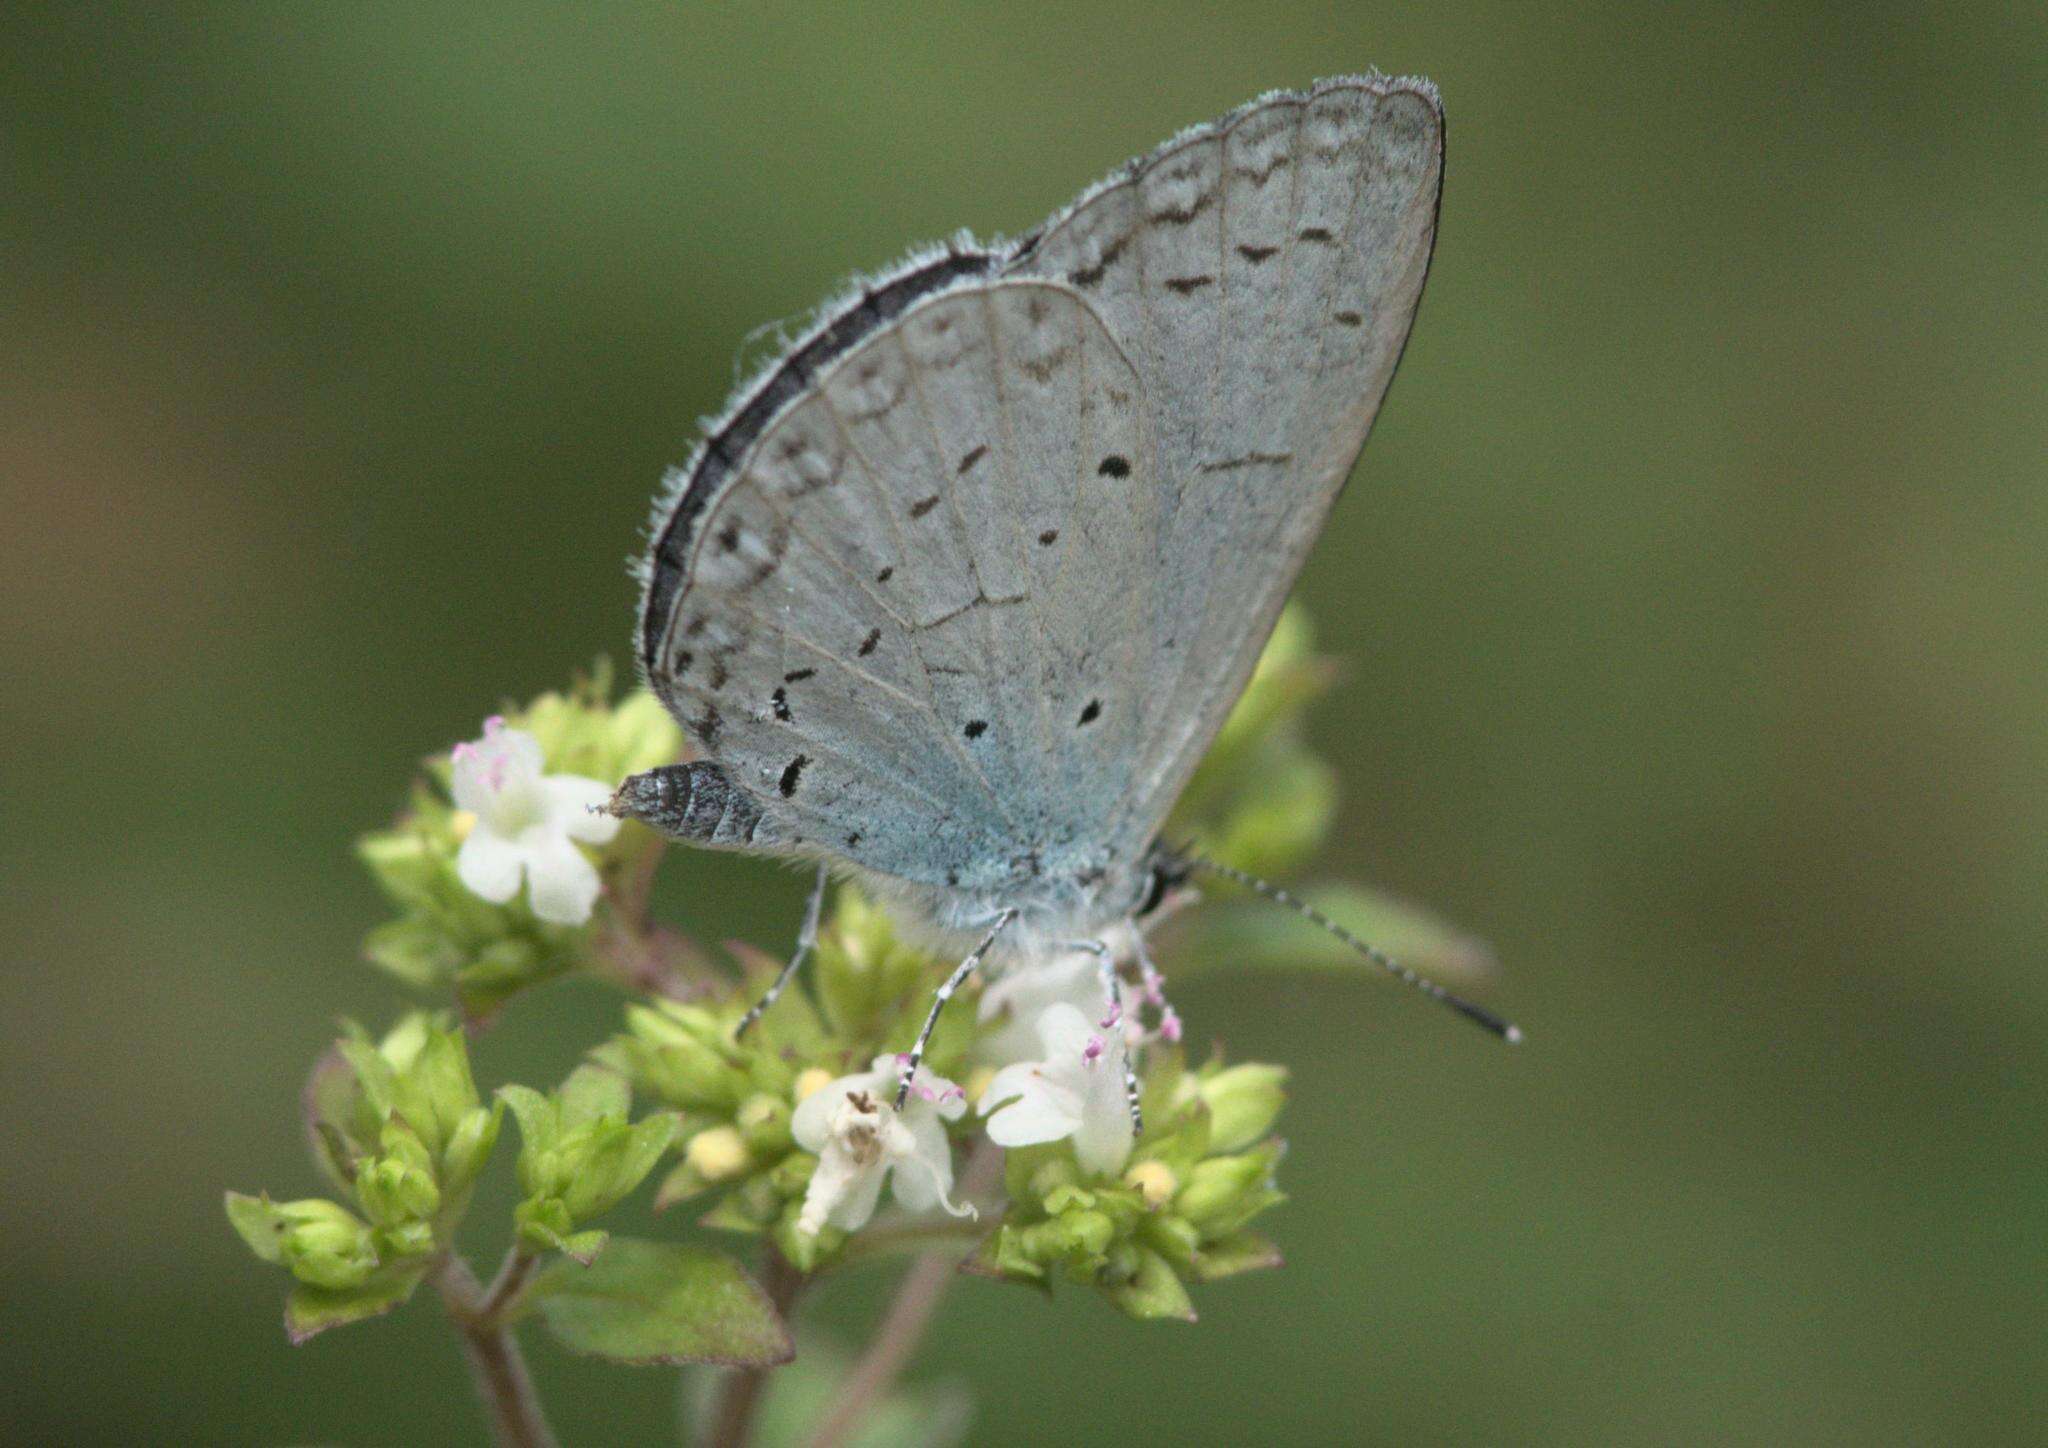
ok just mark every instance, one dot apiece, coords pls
pixel 867 645
pixel 1187 286
pixel 779 702
pixel 797 676
pixel 924 505
pixel 1257 254
pixel 971 457
pixel 975 728
pixel 1049 537
pixel 1114 466
pixel 886 574
pixel 791 774
pixel 1090 714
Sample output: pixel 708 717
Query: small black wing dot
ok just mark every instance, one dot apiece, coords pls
pixel 729 538
pixel 867 645
pixel 1090 714
pixel 975 728
pixel 780 701
pixel 971 457
pixel 791 774
pixel 853 839
pixel 797 676
pixel 886 574
pixel 924 505
pixel 1115 466
pixel 1049 537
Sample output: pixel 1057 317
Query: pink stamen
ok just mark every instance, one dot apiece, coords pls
pixel 1116 1013
pixel 1169 1026
pixel 952 1092
pixel 1092 1052
pixel 493 724
pixel 462 751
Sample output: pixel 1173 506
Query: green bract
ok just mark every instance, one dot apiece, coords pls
pixel 396 1124
pixel 578 1156
pixel 1176 1214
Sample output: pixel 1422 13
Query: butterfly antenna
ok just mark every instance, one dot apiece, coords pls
pixel 1477 1014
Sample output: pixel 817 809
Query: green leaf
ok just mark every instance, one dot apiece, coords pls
pixel 661 1302
pixel 310 1311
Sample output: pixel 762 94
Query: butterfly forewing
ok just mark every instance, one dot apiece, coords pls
pixel 901 614
pixel 970 580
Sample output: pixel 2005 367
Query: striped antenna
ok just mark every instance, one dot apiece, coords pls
pixel 1477 1014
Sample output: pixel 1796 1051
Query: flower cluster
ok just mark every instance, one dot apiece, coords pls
pixel 398 1126
pixel 499 865
pixel 1016 1138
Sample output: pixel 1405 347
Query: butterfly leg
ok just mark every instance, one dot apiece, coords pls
pixel 1112 1020
pixel 915 1055
pixel 805 940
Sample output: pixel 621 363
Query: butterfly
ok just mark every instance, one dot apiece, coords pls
pixel 957 591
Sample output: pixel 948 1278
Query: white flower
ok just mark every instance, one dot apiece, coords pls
pixel 1077 1090
pixel 859 1139
pixel 1026 988
pixel 528 822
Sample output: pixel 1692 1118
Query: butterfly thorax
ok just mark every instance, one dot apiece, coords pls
pixel 1051 911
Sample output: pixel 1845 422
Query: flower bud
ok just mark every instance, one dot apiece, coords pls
pixel 763 1123
pixel 1155 1182
pixel 393 1190
pixel 718 1154
pixel 1215 1187
pixel 323 1244
pixel 1082 1234
pixel 1243 1103
pixel 469 1147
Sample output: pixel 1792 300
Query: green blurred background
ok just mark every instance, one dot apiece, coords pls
pixel 1691 592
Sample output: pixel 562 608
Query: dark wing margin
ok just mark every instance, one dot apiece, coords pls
pixel 842 326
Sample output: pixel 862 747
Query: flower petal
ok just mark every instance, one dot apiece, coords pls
pixel 561 883
pixel 924 1179
pixel 1044 1112
pixel 852 1210
pixel 489 865
pixel 1064 1031
pixel 1102 1140
pixel 811 1122
pixel 571 801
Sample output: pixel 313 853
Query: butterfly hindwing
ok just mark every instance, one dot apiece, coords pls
pixel 1262 273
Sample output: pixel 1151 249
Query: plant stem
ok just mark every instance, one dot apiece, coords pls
pixel 909 1316
pixel 495 1363
pixel 732 1415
